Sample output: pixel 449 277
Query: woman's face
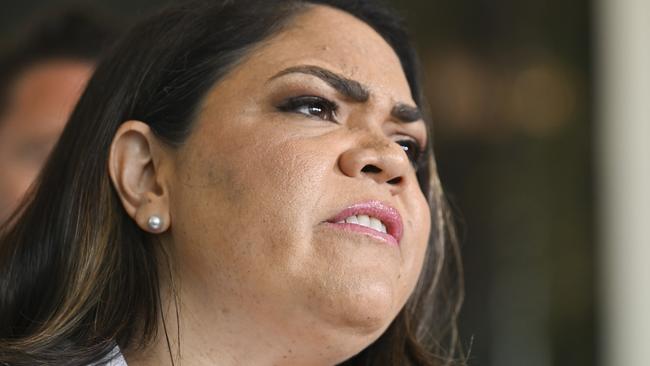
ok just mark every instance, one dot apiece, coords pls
pixel 313 122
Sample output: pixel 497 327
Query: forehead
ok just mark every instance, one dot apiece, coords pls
pixel 333 39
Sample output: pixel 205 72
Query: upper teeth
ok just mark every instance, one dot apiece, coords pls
pixel 365 220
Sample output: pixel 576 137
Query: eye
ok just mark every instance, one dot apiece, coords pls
pixel 413 150
pixel 311 106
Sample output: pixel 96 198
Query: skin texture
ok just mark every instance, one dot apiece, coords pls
pixel 38 107
pixel 260 278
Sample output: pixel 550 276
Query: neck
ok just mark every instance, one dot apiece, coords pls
pixel 195 332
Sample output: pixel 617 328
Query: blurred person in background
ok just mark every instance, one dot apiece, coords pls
pixel 43 74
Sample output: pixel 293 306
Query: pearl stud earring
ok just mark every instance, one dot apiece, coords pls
pixel 154 223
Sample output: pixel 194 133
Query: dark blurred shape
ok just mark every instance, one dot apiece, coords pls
pixel 43 72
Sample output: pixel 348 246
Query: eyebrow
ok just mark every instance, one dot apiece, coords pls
pixel 351 89
pixel 406 113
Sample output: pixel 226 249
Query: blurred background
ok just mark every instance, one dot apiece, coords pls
pixel 514 92
pixel 510 85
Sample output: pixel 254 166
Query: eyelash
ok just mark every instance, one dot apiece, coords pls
pixel 321 108
pixel 413 151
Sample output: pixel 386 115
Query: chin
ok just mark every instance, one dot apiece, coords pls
pixel 348 316
pixel 362 320
pixel 362 312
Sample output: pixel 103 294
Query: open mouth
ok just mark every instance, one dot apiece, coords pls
pixel 373 218
pixel 365 220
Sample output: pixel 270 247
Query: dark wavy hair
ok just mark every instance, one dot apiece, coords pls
pixel 78 276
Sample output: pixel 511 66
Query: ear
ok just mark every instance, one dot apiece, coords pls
pixel 135 166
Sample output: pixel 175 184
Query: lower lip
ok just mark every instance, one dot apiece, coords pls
pixel 389 239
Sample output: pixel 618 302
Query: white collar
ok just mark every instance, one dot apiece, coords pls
pixel 114 358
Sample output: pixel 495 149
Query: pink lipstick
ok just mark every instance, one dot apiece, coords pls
pixel 372 218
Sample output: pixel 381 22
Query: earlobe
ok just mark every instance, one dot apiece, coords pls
pixel 134 166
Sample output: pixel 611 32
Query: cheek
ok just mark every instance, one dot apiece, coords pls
pixel 420 226
pixel 248 211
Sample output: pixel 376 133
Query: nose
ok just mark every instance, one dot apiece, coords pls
pixel 379 159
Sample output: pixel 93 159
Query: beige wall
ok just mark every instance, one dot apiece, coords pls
pixel 624 152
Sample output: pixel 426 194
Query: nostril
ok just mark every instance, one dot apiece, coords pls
pixel 370 169
pixel 373 169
